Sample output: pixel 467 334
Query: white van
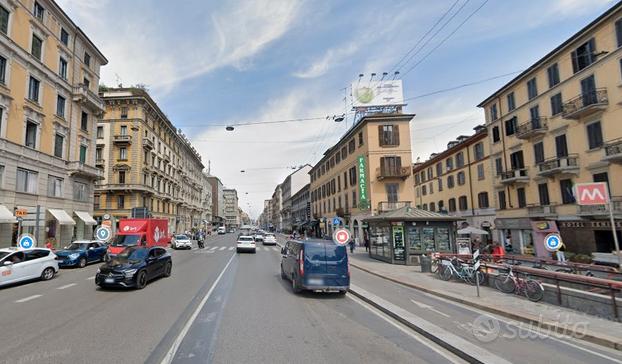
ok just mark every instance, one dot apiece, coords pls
pixel 221 230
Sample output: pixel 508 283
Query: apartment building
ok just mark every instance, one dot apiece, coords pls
pixel 49 107
pixel 146 163
pixel 459 181
pixel 368 171
pixel 276 205
pixel 290 186
pixel 555 125
pixel 232 217
pixel 218 202
pixel 301 209
pixel 206 201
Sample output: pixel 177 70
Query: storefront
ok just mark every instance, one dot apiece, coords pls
pixel 588 236
pixel 7 223
pixel 58 228
pixel 401 236
pixel 516 235
pixel 83 230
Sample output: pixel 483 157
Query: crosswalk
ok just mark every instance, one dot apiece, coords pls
pixel 215 249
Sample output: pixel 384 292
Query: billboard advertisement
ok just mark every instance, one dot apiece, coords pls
pixel 377 93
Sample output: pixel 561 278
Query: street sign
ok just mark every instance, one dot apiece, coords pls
pixel 552 242
pixel 476 254
pixel 103 233
pixel 476 265
pixel 21 212
pixel 592 193
pixel 341 236
pixel 26 241
pixel 336 221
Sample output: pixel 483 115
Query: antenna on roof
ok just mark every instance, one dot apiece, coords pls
pixel 119 81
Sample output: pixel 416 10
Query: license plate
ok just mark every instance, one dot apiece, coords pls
pixel 315 281
pixel 109 280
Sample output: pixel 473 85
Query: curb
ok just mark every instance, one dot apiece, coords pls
pixel 603 341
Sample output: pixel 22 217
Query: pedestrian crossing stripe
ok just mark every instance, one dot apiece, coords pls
pixel 213 248
pixel 230 248
pixel 223 247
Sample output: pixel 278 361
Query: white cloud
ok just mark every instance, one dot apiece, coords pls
pixel 330 59
pixel 577 7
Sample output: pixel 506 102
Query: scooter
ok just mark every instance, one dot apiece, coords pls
pixel 200 243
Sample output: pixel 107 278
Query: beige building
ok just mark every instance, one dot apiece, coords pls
pixel 459 181
pixel 49 108
pixel 555 125
pixel 369 170
pixel 146 163
pixel 232 217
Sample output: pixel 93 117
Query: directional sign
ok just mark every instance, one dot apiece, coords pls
pixel 476 254
pixel 336 221
pixel 476 265
pixel 103 233
pixel 341 236
pixel 26 241
pixel 21 212
pixel 552 242
pixel 592 193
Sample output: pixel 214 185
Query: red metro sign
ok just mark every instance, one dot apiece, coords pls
pixel 592 193
pixel 341 236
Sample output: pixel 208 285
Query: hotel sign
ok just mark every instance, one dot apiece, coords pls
pixel 363 197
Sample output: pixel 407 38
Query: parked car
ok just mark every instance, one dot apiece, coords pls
pixel 81 252
pixel 22 265
pixel 316 265
pixel 246 243
pixel 269 239
pixel 181 242
pixel 134 267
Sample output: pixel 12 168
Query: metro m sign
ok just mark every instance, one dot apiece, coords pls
pixel 592 193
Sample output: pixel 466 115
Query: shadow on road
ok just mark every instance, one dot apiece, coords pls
pixel 287 286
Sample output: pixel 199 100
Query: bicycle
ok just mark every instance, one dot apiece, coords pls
pixel 435 262
pixel 464 272
pixel 510 283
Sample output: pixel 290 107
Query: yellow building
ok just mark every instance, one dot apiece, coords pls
pixel 555 125
pixel 459 181
pixel 368 171
pixel 49 76
pixel 146 163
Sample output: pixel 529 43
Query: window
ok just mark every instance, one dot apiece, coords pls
pixel 449 164
pixel 123 129
pixel 120 201
pixel 417 179
pixel 86 82
pixel 543 193
pixel 478 149
pixel 556 104
pixel 495 134
pixel 440 184
pixel 31 134
pixel 493 112
pixel 450 181
pixel 452 204
pixel 33 89
pixel 99 155
pixel 36 47
pixel 594 135
pixel 553 73
pixel 532 88
pixel 462 203
pixel 124 112
pixel 392 189
pixel 561 146
pixel 461 179
pixel 360 139
pixel 337 158
pixel 538 152
pixel 482 200
pixel 516 160
pixel 534 112
pixel 123 153
pixel 480 172
pixel 2 68
pixel 55 186
pixel 83 150
pixel 38 10
pixel 460 160
pixel 432 206
pixel 64 36
pixel 425 206
pixel 100 134
pixel 60 106
pixel 511 101
pixel 439 168
pixel 424 190
pixel 62 68
pixel 430 174
pixel 4 20
pixel 502 202
pixel 122 177
pixel 26 181
pixel 583 56
pixel 511 126
pixel 351 146
pixel 344 153
pixel 84 121
pixel 58 145
pixel 87 59
pixel 522 199
pixel 389 135
pixel 565 186
pixel 354 198
pixel 431 187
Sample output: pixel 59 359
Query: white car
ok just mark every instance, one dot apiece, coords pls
pixel 22 265
pixel 269 239
pixel 246 243
pixel 222 230
pixel 181 242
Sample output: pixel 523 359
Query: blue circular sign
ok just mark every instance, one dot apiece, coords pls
pixel 103 233
pixel 26 241
pixel 336 221
pixel 552 242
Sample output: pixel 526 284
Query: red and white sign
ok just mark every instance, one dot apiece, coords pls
pixel 341 236
pixel 592 193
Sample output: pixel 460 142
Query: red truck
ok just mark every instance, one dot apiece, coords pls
pixel 144 232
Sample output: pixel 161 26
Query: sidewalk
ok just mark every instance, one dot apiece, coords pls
pixel 589 328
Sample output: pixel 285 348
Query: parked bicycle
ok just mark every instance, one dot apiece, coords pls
pixel 459 269
pixel 510 283
pixel 436 261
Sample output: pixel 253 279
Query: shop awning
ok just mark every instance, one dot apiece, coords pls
pixel 6 217
pixel 62 217
pixel 86 217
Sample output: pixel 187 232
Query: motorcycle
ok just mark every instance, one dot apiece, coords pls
pixel 200 243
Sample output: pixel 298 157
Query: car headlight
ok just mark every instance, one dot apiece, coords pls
pixel 74 256
pixel 129 273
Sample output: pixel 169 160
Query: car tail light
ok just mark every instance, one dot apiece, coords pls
pixel 301 263
pixel 348 269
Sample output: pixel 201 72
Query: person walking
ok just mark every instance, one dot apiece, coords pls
pixel 561 256
pixel 351 244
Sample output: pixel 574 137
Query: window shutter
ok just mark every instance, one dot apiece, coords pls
pixel 575 63
pixel 396 135
pixel 381 135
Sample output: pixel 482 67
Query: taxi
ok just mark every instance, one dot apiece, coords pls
pixel 23 265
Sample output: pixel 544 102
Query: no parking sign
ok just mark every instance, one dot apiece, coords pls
pixel 552 242
pixel 26 241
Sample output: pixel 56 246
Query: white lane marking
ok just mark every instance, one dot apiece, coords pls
pixel 423 305
pixel 66 286
pixel 422 340
pixel 90 278
pixel 231 248
pixel 222 248
pixel 168 358
pixel 28 298
pixel 275 249
pixel 213 248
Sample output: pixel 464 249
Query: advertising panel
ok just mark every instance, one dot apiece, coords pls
pixel 377 93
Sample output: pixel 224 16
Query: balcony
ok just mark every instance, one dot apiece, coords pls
pixel 100 162
pixel 585 104
pixel 514 176
pixel 559 165
pixel 167 158
pixel 122 139
pixel 385 206
pixel 392 172
pixel 601 210
pixel 541 211
pixel 147 144
pixel 613 151
pixel 80 169
pixel 532 128
pixel 88 98
pixel 127 187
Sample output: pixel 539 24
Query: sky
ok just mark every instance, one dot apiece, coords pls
pixel 209 64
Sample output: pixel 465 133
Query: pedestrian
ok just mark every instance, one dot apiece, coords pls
pixel 351 244
pixel 561 256
pixel 366 241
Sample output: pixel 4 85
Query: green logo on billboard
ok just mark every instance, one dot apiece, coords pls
pixel 363 198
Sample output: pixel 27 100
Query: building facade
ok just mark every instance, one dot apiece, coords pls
pixel 206 200
pixel 218 202
pixel 459 181
pixel 290 186
pixel 301 209
pixel 232 217
pixel 146 163
pixel 276 205
pixel 49 108
pixel 555 125
pixel 369 170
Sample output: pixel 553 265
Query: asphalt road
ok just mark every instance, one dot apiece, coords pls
pixel 216 307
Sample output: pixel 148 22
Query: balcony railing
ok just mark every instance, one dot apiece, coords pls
pixel 613 151
pixel 392 172
pixel 514 176
pixel 122 139
pixel 601 210
pixel 541 211
pixel 385 206
pixel 128 187
pixel 82 94
pixel 147 143
pixel 532 128
pixel 100 162
pixel 585 104
pixel 84 170
pixel 559 165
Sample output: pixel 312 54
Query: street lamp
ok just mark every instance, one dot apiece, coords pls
pixel 229 128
